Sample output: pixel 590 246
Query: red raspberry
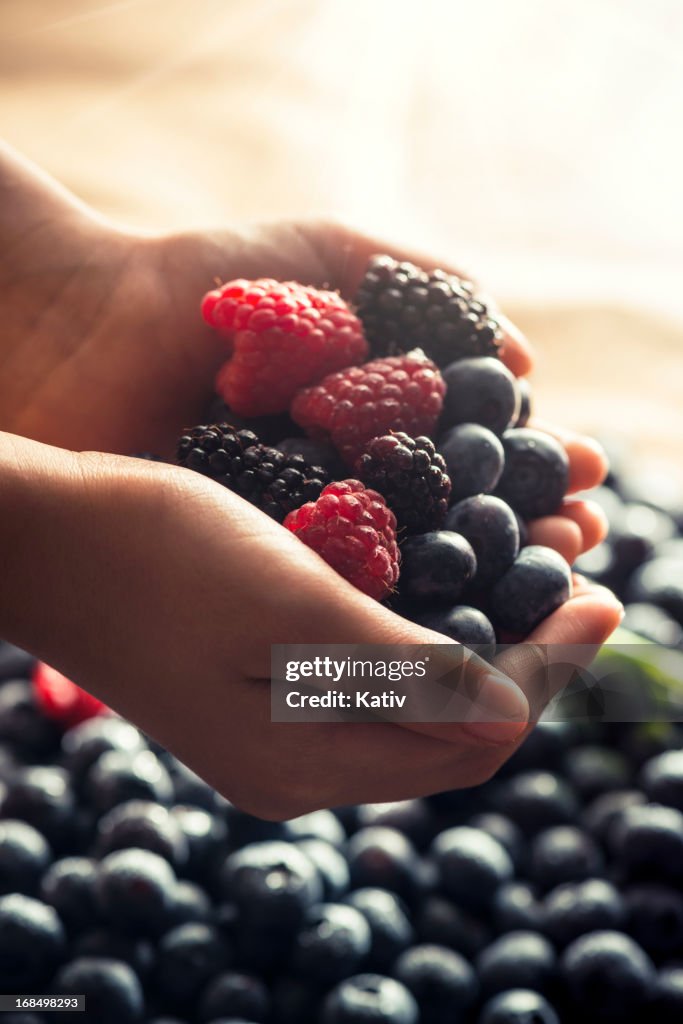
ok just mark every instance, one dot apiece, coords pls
pixel 62 700
pixel 355 532
pixel 283 336
pixel 353 406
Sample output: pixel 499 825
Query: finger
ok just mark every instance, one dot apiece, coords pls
pixel 563 535
pixel 588 464
pixel 590 519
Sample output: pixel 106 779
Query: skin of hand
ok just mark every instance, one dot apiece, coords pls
pixel 155 588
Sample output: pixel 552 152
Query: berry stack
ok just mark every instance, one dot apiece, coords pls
pixel 413 472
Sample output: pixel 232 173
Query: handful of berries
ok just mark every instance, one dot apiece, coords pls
pixel 398 446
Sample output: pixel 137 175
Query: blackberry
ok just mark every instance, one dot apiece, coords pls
pixel 411 476
pixel 402 306
pixel 274 481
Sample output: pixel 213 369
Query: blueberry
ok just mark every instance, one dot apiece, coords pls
pixel 111 945
pixel 316 825
pixel 146 825
pixel 521 959
pixel 436 566
pixel 84 743
pixel 441 922
pixel 535 801
pixel 648 843
pixel 369 999
pixel 518 1006
pixel 474 459
pixel 331 865
pixel 544 748
pixel 536 472
pixel 480 391
pixel 332 944
pixel 661 778
pixel 190 904
pixel 32 942
pixel 650 622
pixel 189 788
pixel 471 865
pixel 538 582
pixel 135 890
pixel 118 776
pixel 577 908
pixel 206 839
pixel 414 818
pixel 505 832
pixel 668 1001
pixel 659 582
pixel 24 856
pixel 383 858
pixel 272 883
pixel 112 991
pixel 564 853
pixel 443 983
pixel 525 402
pixel 516 908
pixel 465 625
pixel 43 797
pixel 14 662
pixel 22 725
pixel 188 957
pixel 600 816
pixel 608 975
pixel 235 996
pixel 593 770
pixel 69 886
pixel 390 929
pixel 491 528
pixel 655 918
pixel 294 1000
pixel 316 453
pixel 246 829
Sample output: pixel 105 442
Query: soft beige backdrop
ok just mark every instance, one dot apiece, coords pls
pixel 537 141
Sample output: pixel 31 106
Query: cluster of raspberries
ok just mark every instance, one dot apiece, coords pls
pixel 304 351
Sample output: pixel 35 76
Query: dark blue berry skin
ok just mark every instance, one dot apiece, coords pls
pixel 648 844
pixel 480 391
pixel 491 528
pixel 436 567
pixel 206 837
pixel 22 726
pixel 467 626
pixel 536 473
pixel 594 770
pixel 474 459
pixel 414 818
pixel 333 943
pixel 369 999
pixel 24 856
pixel 521 959
pixel 525 402
pixel 564 853
pixel 535 801
pixel 69 887
pixel 608 976
pixel 544 749
pixel 117 777
pixel 316 453
pixel 443 983
pixel 139 953
pixel 505 832
pixel 650 622
pixel 536 584
pixel 668 1001
pixel 112 991
pixel 516 908
pixel 235 996
pixel 32 942
pixel 518 1006
pixel 577 908
pixel 321 824
pixel 655 919
pixel 659 582
pixel 14 663
pixel 471 865
pixel 245 829
pixel 600 817
pixel 294 1000
pixel 661 778
pixel 189 788
pixel 188 957
pixel 331 865
pixel 442 922
pixel 273 884
pixel 42 797
pixel 135 891
pixel 384 858
pixel 146 825
pixel 84 743
pixel 190 904
pixel 390 929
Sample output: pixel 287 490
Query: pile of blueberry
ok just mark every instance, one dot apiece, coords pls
pixel 553 893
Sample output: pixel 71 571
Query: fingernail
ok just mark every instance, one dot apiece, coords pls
pixel 500 711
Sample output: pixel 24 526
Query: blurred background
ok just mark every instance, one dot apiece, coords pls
pixel 536 143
